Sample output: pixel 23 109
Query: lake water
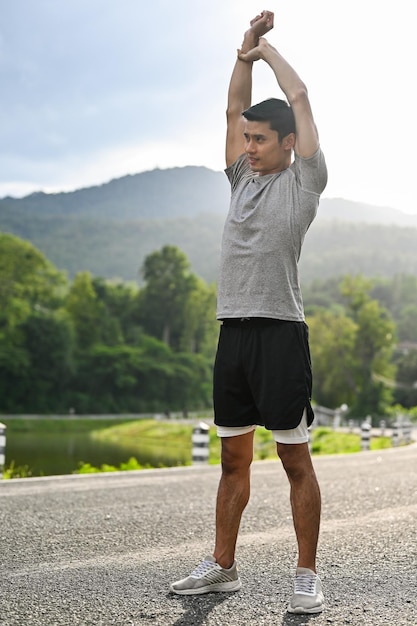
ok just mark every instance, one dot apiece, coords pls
pixel 61 453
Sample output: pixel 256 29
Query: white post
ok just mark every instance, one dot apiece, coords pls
pixel 366 435
pixel 382 425
pixel 407 432
pixel 395 435
pixel 336 419
pixel 2 448
pixel 200 440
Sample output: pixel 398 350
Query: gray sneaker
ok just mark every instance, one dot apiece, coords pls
pixel 308 595
pixel 207 577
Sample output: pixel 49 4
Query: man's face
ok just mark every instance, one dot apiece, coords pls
pixel 266 155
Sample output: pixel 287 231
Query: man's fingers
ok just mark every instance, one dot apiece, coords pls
pixel 269 19
pixel 251 55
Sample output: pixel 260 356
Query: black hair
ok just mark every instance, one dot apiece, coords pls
pixel 277 112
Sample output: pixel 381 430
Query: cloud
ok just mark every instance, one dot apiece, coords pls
pixel 90 88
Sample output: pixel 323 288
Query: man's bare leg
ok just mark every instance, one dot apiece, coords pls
pixel 305 500
pixel 233 495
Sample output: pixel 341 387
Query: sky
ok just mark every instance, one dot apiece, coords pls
pixel 93 90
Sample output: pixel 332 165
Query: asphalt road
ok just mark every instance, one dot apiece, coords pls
pixel 102 549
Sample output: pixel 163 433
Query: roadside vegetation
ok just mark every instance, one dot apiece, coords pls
pixel 324 441
pixel 172 442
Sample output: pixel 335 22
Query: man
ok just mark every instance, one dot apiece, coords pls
pixel 262 373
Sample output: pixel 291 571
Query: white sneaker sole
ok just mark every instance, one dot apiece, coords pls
pixel 300 610
pixel 234 585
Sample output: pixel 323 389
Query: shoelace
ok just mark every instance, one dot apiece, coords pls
pixel 305 584
pixel 203 568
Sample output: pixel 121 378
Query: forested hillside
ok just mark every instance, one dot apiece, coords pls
pixel 109 230
pixel 117 250
pixel 334 248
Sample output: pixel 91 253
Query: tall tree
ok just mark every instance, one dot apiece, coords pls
pixel 28 281
pixel 49 340
pixel 406 384
pixel 375 341
pixel 120 322
pixel 29 285
pixel 332 344
pixel 200 331
pixel 164 300
pixel 85 309
pixel 407 323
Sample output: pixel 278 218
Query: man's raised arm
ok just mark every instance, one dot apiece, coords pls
pixel 307 140
pixel 240 87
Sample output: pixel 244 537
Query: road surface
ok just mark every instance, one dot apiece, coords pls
pixel 102 549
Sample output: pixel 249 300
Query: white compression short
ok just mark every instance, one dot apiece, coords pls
pixel 293 435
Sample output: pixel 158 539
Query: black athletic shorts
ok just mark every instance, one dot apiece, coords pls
pixel 262 374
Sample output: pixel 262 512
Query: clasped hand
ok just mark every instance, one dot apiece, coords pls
pixel 259 26
pixel 256 53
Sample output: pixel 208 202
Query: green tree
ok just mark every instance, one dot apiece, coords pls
pixel 201 329
pixel 28 281
pixel 29 286
pixel 119 322
pixel 406 384
pixel 49 341
pixel 333 343
pixel 149 377
pixel 189 386
pixel 395 293
pixel 407 323
pixel 375 341
pixel 163 302
pixel 85 309
pixel 107 380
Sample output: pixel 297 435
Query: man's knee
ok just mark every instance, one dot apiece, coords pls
pixel 295 458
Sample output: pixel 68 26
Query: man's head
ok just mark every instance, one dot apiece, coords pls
pixel 277 112
pixel 269 132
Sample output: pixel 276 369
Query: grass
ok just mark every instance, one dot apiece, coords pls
pixel 327 441
pixel 132 464
pixel 13 471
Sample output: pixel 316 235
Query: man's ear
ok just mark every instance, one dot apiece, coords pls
pixel 289 141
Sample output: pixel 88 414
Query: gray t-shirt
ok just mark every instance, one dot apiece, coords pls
pixel 262 238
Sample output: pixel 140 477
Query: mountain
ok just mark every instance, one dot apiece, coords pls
pixel 109 229
pixel 170 193
pixel 175 192
pixel 348 211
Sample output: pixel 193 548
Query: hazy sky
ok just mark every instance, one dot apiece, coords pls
pixel 96 89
